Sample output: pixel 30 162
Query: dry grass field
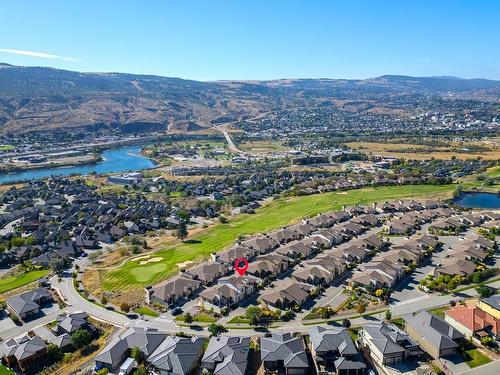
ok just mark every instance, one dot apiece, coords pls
pixel 425 152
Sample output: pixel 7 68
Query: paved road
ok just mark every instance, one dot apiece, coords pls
pixel 230 144
pixel 492 368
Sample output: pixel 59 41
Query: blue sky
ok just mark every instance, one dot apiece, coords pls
pixel 256 39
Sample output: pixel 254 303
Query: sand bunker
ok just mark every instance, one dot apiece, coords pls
pixel 185 264
pixel 143 257
pixel 343 193
pixel 152 260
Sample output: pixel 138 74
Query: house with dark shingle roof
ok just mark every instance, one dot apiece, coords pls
pixel 435 335
pixel 28 304
pixel 286 294
pixel 283 352
pixel 117 351
pixel 226 355
pixel 69 323
pixel 209 272
pixel 334 352
pixel 177 356
pixel 25 352
pixel 173 290
pixel 386 344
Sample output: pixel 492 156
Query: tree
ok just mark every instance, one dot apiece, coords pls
pixel 103 371
pixel 388 315
pixel 54 353
pixel 81 338
pixel 379 292
pixel 361 308
pixel 254 315
pixel 136 354
pixel 182 231
pixel 485 291
pixel 346 323
pixel 125 307
pixel 188 318
pixel 223 219
pixel 104 300
pixel 59 264
pixel 216 329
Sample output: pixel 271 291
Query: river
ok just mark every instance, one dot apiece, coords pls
pixel 478 200
pixel 122 159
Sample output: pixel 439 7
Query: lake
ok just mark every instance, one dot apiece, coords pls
pixel 124 159
pixel 478 200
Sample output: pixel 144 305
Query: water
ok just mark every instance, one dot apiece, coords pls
pixel 478 200
pixel 123 159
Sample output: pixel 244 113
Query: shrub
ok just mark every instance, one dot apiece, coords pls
pixel 81 338
pixel 188 318
pixel 125 307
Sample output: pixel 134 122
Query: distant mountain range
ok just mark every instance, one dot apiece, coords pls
pixel 43 99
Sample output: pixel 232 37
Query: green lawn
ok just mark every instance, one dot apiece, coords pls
pixel 239 319
pixel 200 318
pixel 475 358
pixel 493 172
pixel 146 311
pixel 275 215
pixel 439 311
pixel 13 282
pixel 6 371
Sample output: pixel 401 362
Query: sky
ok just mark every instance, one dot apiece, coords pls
pixel 256 39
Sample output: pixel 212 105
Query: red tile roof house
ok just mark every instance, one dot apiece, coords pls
pixel 472 321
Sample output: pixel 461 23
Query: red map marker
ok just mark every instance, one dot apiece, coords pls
pixel 241 266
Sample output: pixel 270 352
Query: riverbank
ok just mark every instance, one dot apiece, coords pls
pixel 73 162
pixel 118 160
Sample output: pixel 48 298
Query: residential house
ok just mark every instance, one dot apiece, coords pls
pixel 226 355
pixel 230 255
pixel 26 353
pixel 433 334
pixel 455 267
pixel 295 250
pixel 118 349
pixel 313 274
pixel 260 244
pixel 71 322
pixel 286 294
pixel 173 290
pixel 177 356
pixel 228 291
pixel 480 320
pixel 208 272
pixel 334 352
pixel 28 304
pixel 386 344
pixel 284 353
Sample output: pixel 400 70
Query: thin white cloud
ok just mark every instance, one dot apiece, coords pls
pixel 37 54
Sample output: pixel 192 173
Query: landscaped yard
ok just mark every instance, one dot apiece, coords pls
pixel 200 318
pixel 146 311
pixel 281 212
pixel 13 282
pixel 475 358
pixel 439 311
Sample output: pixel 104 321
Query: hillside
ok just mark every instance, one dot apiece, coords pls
pixel 43 99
